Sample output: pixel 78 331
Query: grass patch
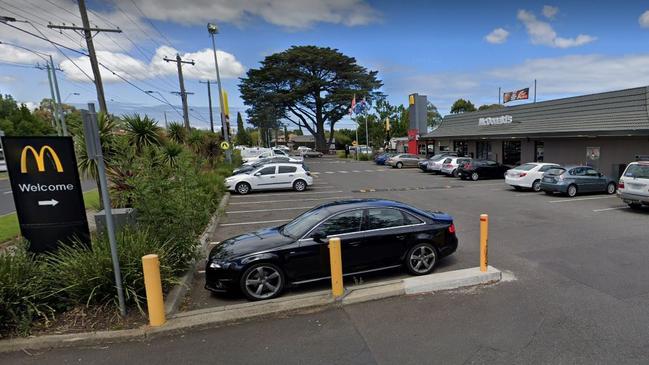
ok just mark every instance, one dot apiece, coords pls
pixel 91 199
pixel 9 228
pixel 4 176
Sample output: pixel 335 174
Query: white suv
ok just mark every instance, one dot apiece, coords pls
pixel 633 187
pixel 528 175
pixel 271 176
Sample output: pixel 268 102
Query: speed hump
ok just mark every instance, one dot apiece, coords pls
pixel 225 145
pixel 46 190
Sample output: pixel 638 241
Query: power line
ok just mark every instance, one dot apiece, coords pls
pixel 150 22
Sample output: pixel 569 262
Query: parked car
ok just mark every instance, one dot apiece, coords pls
pixel 403 160
pixel 450 165
pixel 375 235
pixel 272 153
pixel 249 166
pixel 381 158
pixel 481 169
pixel 633 187
pixel 571 180
pixel 362 150
pixel 303 148
pixel 271 176
pixel 307 154
pixel 434 163
pixel 528 175
pixel 283 148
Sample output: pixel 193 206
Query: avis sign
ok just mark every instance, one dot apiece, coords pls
pixel 47 191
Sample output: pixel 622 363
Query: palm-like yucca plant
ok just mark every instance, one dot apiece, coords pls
pixel 176 132
pixel 142 131
pixel 171 153
pixel 196 141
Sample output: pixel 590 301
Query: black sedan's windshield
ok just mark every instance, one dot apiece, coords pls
pixel 302 224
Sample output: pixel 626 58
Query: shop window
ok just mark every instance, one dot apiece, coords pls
pixel 483 150
pixel 461 147
pixel 538 151
pixel 511 153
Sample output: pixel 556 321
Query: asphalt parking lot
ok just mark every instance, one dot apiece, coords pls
pixel 594 240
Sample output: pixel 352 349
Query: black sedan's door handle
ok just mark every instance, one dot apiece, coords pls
pixel 354 244
pixel 401 237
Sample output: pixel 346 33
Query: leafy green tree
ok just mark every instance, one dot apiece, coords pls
pixel 309 86
pixel 18 120
pixel 242 137
pixel 462 106
pixel 433 118
pixel 491 106
pixel 142 132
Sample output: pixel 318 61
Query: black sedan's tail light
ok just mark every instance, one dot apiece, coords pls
pixel 451 228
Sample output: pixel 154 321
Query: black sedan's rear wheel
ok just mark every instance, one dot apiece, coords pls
pixel 262 281
pixel 421 259
pixel 475 176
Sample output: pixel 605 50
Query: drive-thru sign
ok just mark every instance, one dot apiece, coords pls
pixel 47 191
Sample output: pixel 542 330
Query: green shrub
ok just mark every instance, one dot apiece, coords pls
pixel 78 275
pixel 364 157
pixel 340 154
pixel 23 292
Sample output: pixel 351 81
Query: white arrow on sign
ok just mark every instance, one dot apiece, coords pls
pixel 51 202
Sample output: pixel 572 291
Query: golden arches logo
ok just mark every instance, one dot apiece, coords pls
pixel 40 158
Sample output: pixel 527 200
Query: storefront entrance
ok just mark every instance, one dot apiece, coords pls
pixel 511 153
pixel 483 150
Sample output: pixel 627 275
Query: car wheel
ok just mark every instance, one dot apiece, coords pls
pixel 475 176
pixel 243 188
pixel 299 185
pixel 572 191
pixel 262 281
pixel 421 259
pixel 635 206
pixel 399 165
pixel 611 188
pixel 536 185
pixel 454 173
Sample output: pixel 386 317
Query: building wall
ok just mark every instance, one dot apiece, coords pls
pixel 614 151
pixel 527 151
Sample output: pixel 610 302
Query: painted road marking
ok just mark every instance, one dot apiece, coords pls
pixel 265 210
pixel 201 272
pixel 342 171
pixel 7 192
pixel 288 192
pixel 292 200
pixel 567 200
pixel 255 222
pixel 607 209
pixel 329 172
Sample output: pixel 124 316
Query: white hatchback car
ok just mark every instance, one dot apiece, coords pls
pixel 271 177
pixel 528 175
pixel 450 165
pixel 633 187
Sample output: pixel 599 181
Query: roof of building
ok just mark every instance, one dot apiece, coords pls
pixel 604 113
pixel 303 139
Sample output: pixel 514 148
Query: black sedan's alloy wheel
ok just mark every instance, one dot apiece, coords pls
pixel 262 281
pixel 421 259
pixel 475 176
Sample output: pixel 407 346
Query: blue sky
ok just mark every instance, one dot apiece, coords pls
pixel 446 51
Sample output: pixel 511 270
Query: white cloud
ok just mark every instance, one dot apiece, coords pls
pixel 287 13
pixel 550 11
pixel 13 54
pixel 557 77
pixel 644 19
pixel 135 69
pixel 5 79
pixel 497 36
pixel 542 33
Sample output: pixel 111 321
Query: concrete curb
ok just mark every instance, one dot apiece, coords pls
pixel 176 295
pixel 225 315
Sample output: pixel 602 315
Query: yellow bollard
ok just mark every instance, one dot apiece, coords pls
pixel 484 239
pixel 336 262
pixel 154 301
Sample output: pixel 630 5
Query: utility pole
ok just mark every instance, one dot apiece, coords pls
pixel 55 112
pixel 209 100
pixel 87 33
pixel 64 127
pixel 212 29
pixel 183 94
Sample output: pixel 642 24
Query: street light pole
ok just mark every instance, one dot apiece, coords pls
pixel 212 29
pixel 64 126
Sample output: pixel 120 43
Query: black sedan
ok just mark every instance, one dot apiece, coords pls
pixel 375 235
pixel 482 169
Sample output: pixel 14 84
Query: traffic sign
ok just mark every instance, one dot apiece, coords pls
pixel 46 190
pixel 225 145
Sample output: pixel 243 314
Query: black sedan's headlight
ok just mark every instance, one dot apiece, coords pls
pixel 215 265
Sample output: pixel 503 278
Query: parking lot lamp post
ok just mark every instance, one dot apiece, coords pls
pixel 213 30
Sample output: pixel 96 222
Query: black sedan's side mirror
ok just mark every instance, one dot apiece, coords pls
pixel 319 237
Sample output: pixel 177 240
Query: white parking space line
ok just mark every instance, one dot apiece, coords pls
pixel 370 170
pixel 255 222
pixel 607 209
pixel 292 200
pixel 287 193
pixel 342 171
pixel 7 192
pixel 567 200
pixel 264 210
pixel 329 172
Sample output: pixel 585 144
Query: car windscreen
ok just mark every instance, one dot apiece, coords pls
pixel 437 157
pixel 525 167
pixel 637 171
pixel 556 171
pixel 299 226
